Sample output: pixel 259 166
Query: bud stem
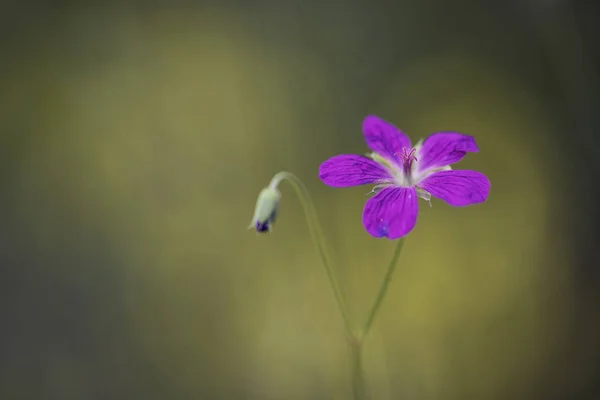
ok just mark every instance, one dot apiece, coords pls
pixel 356 340
pixel 318 239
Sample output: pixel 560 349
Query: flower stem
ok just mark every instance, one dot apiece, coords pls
pixel 382 289
pixel 317 234
pixel 355 340
pixel 358 380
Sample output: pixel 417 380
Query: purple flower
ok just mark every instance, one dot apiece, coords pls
pixel 402 173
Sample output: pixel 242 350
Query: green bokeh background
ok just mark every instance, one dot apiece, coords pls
pixel 134 142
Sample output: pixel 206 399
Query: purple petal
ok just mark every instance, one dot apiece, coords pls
pixel 392 213
pixel 458 188
pixel 352 170
pixel 444 148
pixel 384 138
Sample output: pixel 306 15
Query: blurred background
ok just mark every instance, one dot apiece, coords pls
pixel 134 139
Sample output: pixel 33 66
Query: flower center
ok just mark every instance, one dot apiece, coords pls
pixel 407 157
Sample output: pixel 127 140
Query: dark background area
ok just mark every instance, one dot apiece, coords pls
pixel 135 137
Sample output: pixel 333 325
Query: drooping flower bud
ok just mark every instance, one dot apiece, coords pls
pixel 266 210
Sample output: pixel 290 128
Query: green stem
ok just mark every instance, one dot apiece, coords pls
pixel 318 239
pixel 382 289
pixel 356 341
pixel 358 380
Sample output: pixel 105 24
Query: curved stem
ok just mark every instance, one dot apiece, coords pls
pixel 382 289
pixel 318 239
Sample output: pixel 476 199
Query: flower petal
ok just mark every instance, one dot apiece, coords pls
pixel 444 148
pixel 392 213
pixel 383 137
pixel 352 170
pixel 458 188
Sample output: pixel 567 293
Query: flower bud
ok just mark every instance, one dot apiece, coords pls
pixel 266 210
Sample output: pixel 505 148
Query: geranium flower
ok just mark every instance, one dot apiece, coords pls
pixel 403 173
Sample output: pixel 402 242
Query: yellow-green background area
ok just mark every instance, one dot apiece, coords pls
pixel 134 142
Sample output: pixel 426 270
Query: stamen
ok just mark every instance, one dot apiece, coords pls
pixel 407 158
